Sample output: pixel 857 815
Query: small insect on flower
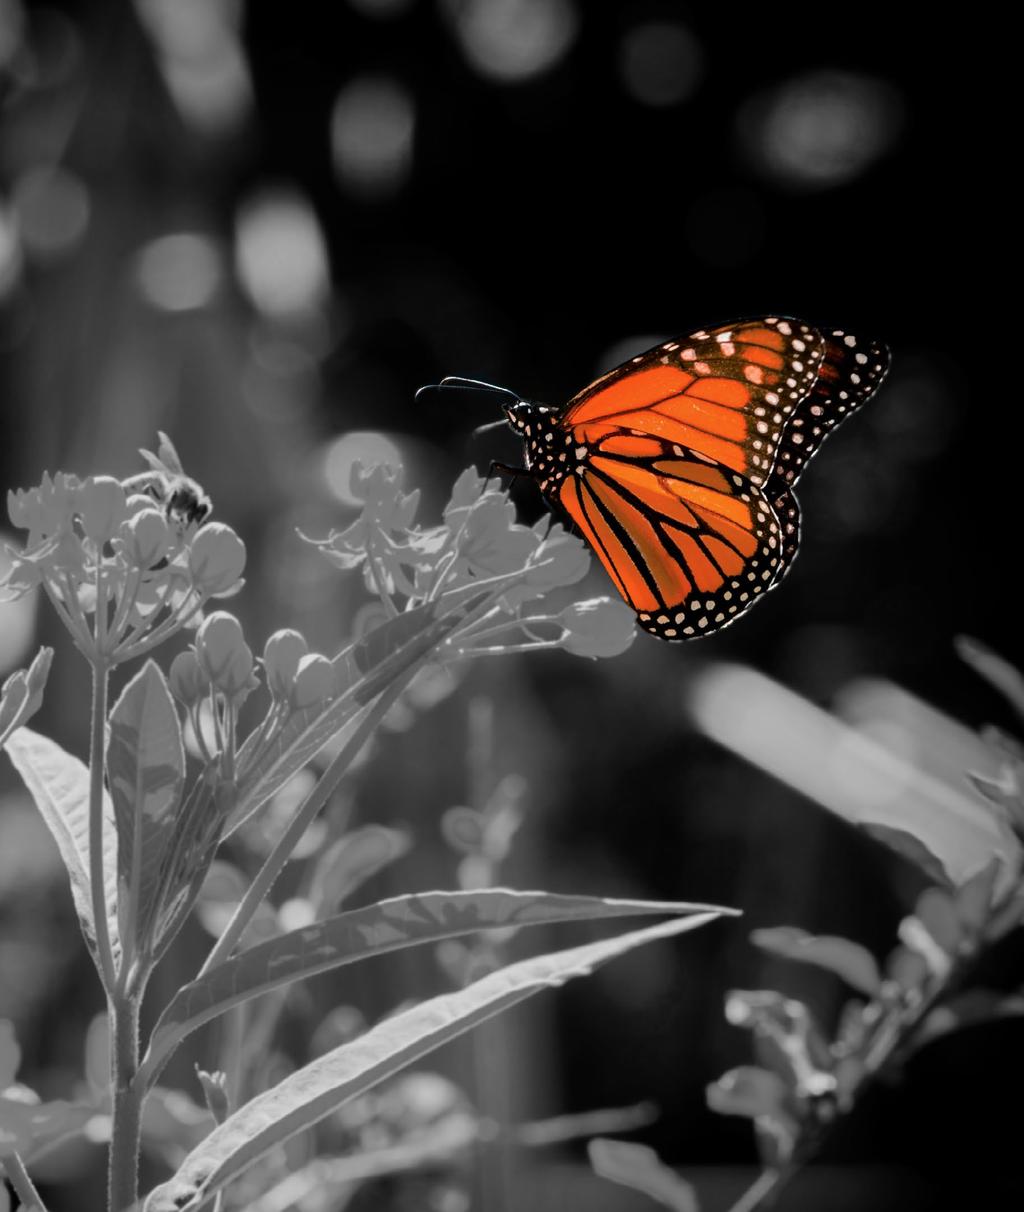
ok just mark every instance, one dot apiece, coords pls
pixel 184 501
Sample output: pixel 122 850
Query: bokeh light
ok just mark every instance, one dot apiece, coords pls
pixel 512 40
pixel 661 63
pixel 372 128
pixel 280 253
pixel 201 59
pixel 367 448
pixel 821 129
pixel 179 272
pixel 52 206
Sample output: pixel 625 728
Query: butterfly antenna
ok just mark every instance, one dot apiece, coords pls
pixel 457 383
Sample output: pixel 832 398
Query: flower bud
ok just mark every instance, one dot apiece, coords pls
pixel 215 1091
pixel 101 507
pixel 561 559
pixel 281 655
pixel 22 693
pixel 223 654
pixel 146 536
pixel 187 680
pixel 599 627
pixel 314 681
pixel 217 558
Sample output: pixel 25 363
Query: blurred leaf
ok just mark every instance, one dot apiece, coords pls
pixel 936 910
pixel 48 1125
pixel 352 860
pixel 146 773
pixel 749 1091
pixel 15 1127
pixel 916 936
pixel 970 1008
pixel 59 784
pixel 172 1124
pixel 973 899
pixel 313 1092
pixel 908 968
pixel 854 963
pixel 1005 742
pixel 1006 918
pixel 912 848
pixel 389 925
pixel 640 1168
pixel 994 669
pixel 558 1129
pixel 1004 792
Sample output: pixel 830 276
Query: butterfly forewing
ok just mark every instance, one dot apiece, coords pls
pixel 726 392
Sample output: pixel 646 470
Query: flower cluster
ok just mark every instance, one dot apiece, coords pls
pixel 479 553
pixel 122 572
pixel 216 674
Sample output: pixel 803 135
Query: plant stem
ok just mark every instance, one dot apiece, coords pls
pixel 126 1133
pixel 300 822
pixel 888 1044
pixel 31 1200
pixel 768 1182
pixel 97 875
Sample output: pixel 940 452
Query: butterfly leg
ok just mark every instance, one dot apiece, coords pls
pixel 503 469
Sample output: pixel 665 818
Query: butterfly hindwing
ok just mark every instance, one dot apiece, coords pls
pixel 689 543
pixel 851 371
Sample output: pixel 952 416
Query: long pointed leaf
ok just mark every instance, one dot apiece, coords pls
pixel 59 784
pixel 315 1091
pixel 146 772
pixel 403 921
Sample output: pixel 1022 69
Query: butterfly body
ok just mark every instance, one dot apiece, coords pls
pixel 678 466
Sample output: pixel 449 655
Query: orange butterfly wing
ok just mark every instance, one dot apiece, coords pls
pixel 726 393
pixel 686 455
pixel 688 543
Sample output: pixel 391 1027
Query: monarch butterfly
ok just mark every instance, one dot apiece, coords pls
pixel 678 466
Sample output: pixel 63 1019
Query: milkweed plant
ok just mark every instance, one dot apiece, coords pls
pixel 174 768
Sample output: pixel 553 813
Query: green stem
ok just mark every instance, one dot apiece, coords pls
pixel 31 1200
pixel 310 807
pixel 768 1182
pixel 97 875
pixel 126 1132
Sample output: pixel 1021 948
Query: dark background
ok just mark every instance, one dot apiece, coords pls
pixel 364 197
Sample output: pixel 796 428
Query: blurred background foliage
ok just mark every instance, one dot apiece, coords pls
pixel 261 227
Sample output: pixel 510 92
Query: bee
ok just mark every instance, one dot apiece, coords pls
pixel 183 500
